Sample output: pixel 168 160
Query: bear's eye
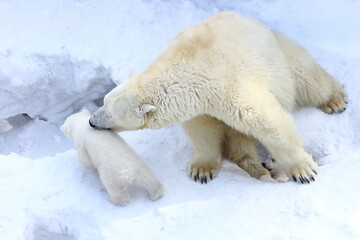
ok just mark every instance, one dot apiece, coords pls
pixel 273 160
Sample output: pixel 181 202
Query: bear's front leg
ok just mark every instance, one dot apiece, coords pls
pixel 83 156
pixel 256 112
pixel 206 135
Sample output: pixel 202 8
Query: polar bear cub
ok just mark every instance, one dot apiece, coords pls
pixel 118 165
pixel 280 176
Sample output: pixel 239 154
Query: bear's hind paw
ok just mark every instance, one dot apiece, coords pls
pixel 336 104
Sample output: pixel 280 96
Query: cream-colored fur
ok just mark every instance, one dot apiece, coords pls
pixel 229 81
pixel 118 165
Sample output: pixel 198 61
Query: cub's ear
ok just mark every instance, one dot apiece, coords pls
pixel 65 129
pixel 132 73
pixel 147 108
pixel 85 111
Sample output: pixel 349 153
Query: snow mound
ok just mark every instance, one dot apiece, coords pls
pixel 4 125
pixel 50 87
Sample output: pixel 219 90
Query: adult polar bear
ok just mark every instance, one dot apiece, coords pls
pixel 229 81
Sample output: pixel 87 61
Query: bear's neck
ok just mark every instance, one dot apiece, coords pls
pixel 178 92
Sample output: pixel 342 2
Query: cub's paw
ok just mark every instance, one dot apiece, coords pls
pixel 336 104
pixel 267 178
pixel 202 172
pixel 281 177
pixel 120 200
pixel 157 192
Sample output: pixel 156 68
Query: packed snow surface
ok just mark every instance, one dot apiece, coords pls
pixel 59 56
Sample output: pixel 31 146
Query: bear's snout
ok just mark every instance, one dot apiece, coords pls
pixel 91 124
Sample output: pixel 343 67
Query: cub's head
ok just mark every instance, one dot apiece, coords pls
pixel 275 169
pixel 271 165
pixel 122 110
pixel 73 119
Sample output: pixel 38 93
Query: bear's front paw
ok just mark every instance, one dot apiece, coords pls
pixel 304 173
pixel 202 173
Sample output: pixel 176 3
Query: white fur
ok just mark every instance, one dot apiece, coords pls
pixel 229 81
pixel 118 165
pixel 275 171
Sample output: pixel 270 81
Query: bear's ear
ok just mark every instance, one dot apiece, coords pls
pixel 132 73
pixel 147 108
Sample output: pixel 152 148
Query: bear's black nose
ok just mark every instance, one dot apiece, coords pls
pixel 264 165
pixel 91 125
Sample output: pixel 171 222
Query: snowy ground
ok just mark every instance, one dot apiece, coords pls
pixel 57 56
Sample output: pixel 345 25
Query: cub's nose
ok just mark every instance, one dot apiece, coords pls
pixel 91 124
pixel 264 165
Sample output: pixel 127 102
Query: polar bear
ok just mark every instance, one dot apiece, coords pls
pixel 117 164
pixel 229 81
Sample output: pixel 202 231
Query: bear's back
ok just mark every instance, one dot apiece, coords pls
pixel 253 52
pixel 230 49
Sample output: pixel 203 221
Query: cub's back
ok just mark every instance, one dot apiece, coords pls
pixel 107 146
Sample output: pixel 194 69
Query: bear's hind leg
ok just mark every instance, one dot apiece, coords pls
pixel 337 101
pixel 206 135
pixel 241 150
pixel 314 86
pixel 317 88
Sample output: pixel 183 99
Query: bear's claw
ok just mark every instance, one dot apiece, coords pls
pixel 203 179
pixel 202 175
pixel 337 104
pixel 303 178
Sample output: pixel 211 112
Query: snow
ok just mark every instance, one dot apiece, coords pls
pixel 59 56
pixel 60 85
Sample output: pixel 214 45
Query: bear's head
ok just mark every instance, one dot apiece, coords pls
pixel 122 109
pixel 73 119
